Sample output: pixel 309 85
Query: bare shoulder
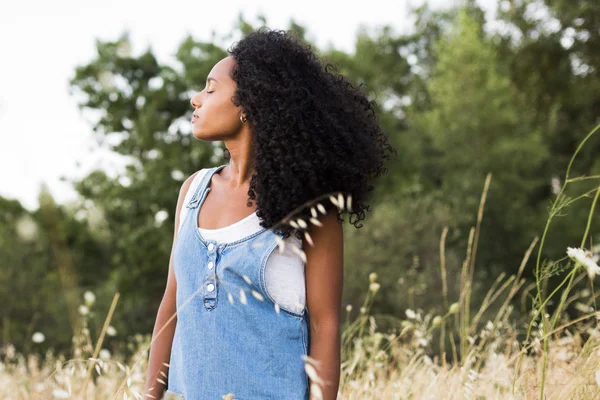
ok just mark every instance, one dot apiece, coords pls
pixel 325 272
pixel 185 186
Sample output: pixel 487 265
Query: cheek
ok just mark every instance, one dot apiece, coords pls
pixel 220 114
pixel 223 110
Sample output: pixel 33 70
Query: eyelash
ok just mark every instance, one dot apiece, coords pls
pixel 210 92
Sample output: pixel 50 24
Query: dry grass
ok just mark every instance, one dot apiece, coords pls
pixel 376 365
pixel 488 361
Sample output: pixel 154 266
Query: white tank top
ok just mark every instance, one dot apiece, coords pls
pixel 284 272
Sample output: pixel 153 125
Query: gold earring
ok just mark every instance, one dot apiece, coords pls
pixel 243 118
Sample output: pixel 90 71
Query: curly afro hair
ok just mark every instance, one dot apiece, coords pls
pixel 315 135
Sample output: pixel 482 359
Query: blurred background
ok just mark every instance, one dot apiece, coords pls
pixel 95 143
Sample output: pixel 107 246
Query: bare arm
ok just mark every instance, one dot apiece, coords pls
pixel 324 283
pixel 160 349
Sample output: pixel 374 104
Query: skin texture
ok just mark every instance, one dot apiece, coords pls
pixel 219 120
pixel 324 283
pixel 307 134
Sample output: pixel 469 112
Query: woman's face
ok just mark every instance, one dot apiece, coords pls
pixel 215 116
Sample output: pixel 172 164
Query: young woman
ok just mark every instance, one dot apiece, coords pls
pixel 303 146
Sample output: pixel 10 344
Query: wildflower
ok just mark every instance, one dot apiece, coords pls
pixel 584 258
pixel 60 394
pixel 410 313
pixel 280 244
pixel 583 307
pixel 104 354
pixel 374 287
pixel 372 276
pixel 89 298
pixel 257 295
pixel 406 324
pixel 340 200
pixel 454 307
pixel 313 212
pixel 363 310
pixel 111 331
pixel 299 251
pixel 334 201
pixel 312 373
pixel 349 308
pixel 321 208
pixel 316 391
pixel 38 337
pixel 308 239
pixel 83 310
pixel 437 320
pixel 315 221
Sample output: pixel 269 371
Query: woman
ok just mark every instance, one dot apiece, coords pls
pixel 303 146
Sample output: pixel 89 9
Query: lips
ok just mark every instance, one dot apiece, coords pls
pixel 194 118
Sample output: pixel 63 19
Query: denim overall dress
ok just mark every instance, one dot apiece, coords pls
pixel 230 336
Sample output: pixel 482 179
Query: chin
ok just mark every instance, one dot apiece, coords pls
pixel 203 135
pixel 198 133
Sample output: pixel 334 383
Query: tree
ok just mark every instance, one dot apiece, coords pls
pixel 479 123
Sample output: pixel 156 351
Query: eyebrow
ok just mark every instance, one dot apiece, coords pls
pixel 210 78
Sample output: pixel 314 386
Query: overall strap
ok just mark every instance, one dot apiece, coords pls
pixel 195 200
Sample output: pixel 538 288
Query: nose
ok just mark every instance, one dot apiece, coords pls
pixel 195 101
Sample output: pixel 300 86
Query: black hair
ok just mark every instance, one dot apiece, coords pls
pixel 315 134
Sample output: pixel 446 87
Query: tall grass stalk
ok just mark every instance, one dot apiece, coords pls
pixel 558 204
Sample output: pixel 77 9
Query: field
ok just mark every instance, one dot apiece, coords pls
pixel 547 356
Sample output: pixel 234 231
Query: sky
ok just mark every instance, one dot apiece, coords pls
pixel 42 42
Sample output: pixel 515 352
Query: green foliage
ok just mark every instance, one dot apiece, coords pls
pixel 478 123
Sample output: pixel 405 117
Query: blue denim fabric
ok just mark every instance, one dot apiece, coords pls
pixel 221 345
